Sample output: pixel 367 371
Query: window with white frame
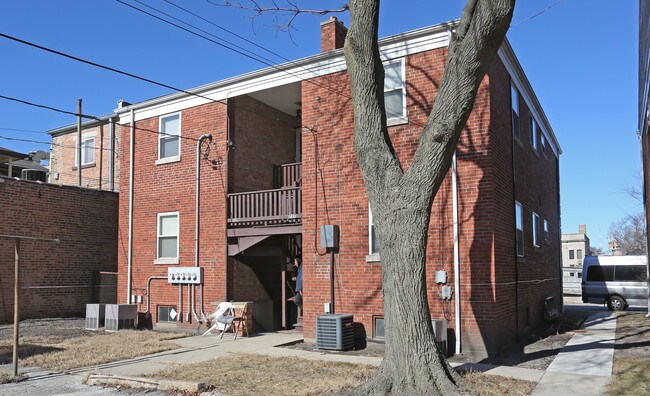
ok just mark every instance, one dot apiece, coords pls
pixel 394 90
pixel 543 141
pixel 373 241
pixel 87 151
pixel 167 248
pixel 169 138
pixel 533 133
pixel 536 236
pixel 519 225
pixel 514 99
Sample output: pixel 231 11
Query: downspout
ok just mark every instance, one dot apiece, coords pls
pixel 197 217
pixel 514 199
pixel 454 188
pixel 111 128
pixel 229 146
pixel 130 244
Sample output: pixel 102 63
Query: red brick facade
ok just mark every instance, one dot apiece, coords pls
pixel 57 280
pixel 501 296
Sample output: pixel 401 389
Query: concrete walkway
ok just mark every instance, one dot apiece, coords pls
pixel 584 365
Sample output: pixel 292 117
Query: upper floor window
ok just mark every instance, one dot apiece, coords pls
pixel 546 232
pixel 519 224
pixel 536 234
pixel 394 90
pixel 87 151
pixel 167 249
pixel 572 254
pixel 514 99
pixel 534 130
pixel 579 252
pixel 169 138
pixel 543 142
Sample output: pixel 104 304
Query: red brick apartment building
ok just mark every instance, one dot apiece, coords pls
pixel 644 104
pixel 280 163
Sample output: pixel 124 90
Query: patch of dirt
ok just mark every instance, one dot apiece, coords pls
pixel 370 349
pixel 64 328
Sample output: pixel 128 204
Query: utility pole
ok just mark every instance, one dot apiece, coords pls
pixel 79 142
pixel 17 239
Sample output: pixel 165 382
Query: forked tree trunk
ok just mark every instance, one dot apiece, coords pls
pixel 401 200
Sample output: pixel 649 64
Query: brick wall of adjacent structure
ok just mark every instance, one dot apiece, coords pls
pixel 57 280
pixel 96 175
pixel 169 188
pixel 486 211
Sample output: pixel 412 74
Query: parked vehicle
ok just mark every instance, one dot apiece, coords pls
pixel 618 281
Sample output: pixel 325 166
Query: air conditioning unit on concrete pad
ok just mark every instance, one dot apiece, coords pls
pixel 335 331
pixel 95 314
pixel 120 316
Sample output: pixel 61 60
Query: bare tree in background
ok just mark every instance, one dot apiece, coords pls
pixel 631 234
pixel 401 198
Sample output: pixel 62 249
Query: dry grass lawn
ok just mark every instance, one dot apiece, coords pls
pixel 247 374
pixel 62 354
pixel 631 374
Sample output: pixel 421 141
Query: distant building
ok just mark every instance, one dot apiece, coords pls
pixel 574 248
pixel 22 166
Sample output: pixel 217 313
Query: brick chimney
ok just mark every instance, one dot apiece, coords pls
pixel 582 229
pixel 332 34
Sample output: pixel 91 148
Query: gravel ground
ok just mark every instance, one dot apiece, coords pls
pixel 61 327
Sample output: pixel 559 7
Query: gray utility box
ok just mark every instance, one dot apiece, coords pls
pixel 95 314
pixel 120 316
pixel 440 333
pixel 335 331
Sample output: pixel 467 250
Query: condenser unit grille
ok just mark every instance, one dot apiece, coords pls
pixel 95 316
pixel 120 316
pixel 335 331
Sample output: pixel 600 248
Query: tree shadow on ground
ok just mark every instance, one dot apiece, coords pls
pixel 24 351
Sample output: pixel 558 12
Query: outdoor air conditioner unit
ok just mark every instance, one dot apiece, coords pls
pixel 120 316
pixel 95 314
pixel 335 331
pixel 33 175
pixel 440 333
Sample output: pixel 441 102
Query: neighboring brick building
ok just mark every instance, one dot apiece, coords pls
pixel 644 107
pixel 281 164
pixel 100 155
pixel 57 280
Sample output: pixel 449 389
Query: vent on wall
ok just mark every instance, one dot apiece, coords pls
pixel 34 175
pixel 335 331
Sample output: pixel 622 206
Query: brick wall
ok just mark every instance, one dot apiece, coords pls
pixel 94 175
pixel 488 293
pixel 57 280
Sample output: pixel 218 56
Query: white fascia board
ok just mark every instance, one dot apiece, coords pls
pixel 315 66
pixel 520 80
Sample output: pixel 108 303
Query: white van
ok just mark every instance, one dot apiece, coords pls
pixel 619 281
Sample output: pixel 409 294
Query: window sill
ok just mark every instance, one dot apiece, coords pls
pixel 168 261
pixel 85 166
pixel 168 160
pixel 397 121
pixel 373 258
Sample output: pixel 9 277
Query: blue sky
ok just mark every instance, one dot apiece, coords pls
pixel 580 56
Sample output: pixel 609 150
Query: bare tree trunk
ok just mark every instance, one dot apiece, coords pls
pixel 401 200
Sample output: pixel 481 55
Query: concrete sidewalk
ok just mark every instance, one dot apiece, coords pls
pixel 584 365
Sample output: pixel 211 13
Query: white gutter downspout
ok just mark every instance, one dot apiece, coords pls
pixel 130 245
pixel 454 188
pixel 197 218
pixel 111 161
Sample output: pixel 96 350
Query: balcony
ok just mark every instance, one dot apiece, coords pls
pixel 281 206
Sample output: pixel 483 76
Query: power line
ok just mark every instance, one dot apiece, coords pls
pixel 51 143
pixel 537 14
pixel 23 130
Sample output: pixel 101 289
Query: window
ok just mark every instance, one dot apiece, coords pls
pixel 630 273
pixel 543 142
pixel 579 253
pixel 533 133
pixel 169 138
pixel 536 236
pixel 519 223
pixel 373 242
pixel 598 273
pixel 379 331
pixel 514 97
pixel 571 254
pixel 394 90
pixel 546 234
pixel 167 238
pixel 87 151
pixel 167 314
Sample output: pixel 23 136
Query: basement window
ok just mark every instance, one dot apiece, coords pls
pixel 167 314
pixel 378 328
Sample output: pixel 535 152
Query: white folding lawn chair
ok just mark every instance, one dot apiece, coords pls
pixel 220 318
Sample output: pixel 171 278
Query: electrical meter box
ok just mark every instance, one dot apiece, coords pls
pixel 441 276
pixel 329 237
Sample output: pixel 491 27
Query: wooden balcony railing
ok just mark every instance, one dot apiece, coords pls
pixel 287 175
pixel 262 208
